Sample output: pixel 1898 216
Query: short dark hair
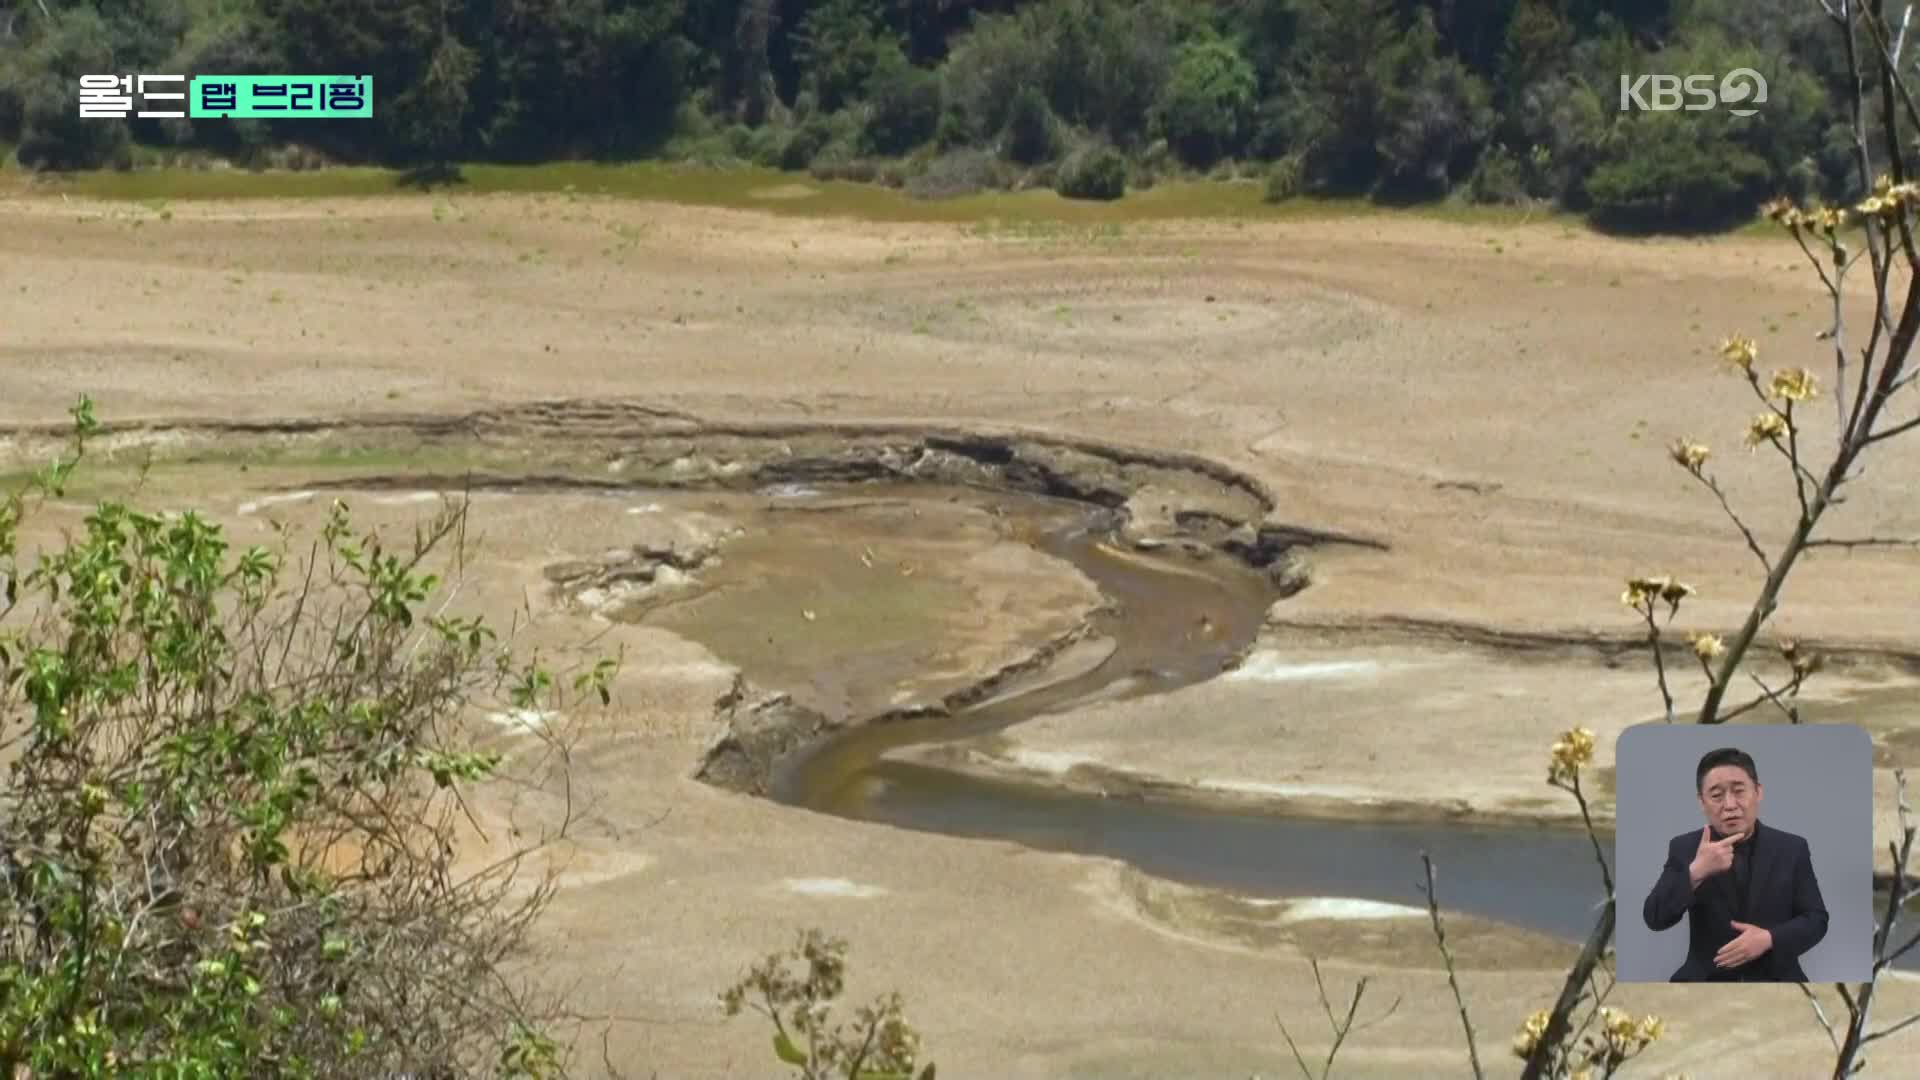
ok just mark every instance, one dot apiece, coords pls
pixel 1726 755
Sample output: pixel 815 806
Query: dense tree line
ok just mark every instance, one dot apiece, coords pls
pixel 1493 100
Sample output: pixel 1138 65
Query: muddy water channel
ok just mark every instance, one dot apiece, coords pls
pixel 1173 620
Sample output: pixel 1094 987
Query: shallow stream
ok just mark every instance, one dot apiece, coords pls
pixel 1542 878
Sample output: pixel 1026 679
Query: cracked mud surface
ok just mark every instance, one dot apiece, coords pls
pixel 1487 415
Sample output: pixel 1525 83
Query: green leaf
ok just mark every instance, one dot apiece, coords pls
pixel 787 1052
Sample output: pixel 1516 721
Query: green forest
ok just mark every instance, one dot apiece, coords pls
pixel 1401 101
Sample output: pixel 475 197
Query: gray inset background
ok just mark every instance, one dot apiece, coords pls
pixel 1817 781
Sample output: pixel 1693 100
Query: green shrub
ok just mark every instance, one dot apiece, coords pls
pixel 1672 175
pixel 800 1003
pixel 806 141
pixel 836 166
pixel 1096 173
pixel 228 838
pixel 44 84
pixel 1204 108
pixel 956 173
pixel 904 103
pixel 1031 136
pixel 1283 179
pixel 954 131
pixel 763 145
pixel 840 46
pixel 1500 177
pixel 988 66
pixel 1435 114
pixel 1270 136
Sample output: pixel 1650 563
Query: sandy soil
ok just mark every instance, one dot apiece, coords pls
pixel 1372 730
pixel 1490 404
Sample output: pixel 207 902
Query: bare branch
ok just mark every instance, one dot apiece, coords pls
pixel 1792 714
pixel 1340 1030
pixel 1586 817
pixel 1753 544
pixel 1904 948
pixel 1801 477
pixel 1446 956
pixel 1820 1014
pixel 1833 283
pixel 1870 541
pixel 1391 1009
pixel 1599 998
pixel 1570 993
pixel 1341 1027
pixel 1659 661
pixel 1859 1010
pixel 1297 1057
pixel 1898 894
pixel 1882 436
pixel 1884 1032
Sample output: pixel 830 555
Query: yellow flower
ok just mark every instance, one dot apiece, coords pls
pixel 1780 211
pixel 1739 352
pixel 1641 591
pixel 1689 455
pixel 1803 665
pixel 1874 205
pixel 1581 1073
pixel 1530 1033
pixel 1795 385
pixel 1707 646
pixel 1882 184
pixel 1573 750
pixel 1765 428
pixel 1651 1028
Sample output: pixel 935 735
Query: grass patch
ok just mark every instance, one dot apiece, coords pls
pixel 183 471
pixel 776 192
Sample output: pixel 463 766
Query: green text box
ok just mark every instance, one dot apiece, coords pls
pixel 311 97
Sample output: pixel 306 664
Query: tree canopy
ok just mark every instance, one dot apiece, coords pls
pixel 1496 100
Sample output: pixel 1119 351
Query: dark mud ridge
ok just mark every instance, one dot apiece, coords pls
pixel 759 729
pixel 1162 498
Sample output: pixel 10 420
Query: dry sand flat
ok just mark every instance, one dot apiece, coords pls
pixel 1488 403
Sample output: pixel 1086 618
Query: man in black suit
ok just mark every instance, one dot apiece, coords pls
pixel 1749 888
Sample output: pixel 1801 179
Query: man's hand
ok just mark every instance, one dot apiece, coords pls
pixel 1751 945
pixel 1712 856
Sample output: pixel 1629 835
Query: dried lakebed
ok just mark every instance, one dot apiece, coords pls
pixel 1140 575
pixel 1167 622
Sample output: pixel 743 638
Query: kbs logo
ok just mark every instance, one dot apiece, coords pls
pixel 1671 93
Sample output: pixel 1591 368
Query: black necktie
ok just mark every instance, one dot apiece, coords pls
pixel 1742 874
